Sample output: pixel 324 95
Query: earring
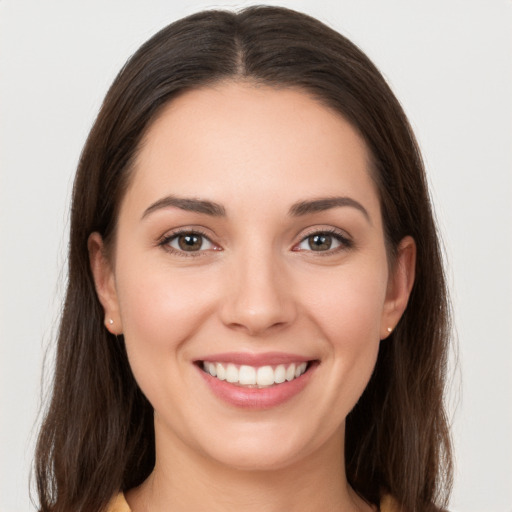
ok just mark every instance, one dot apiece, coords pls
pixel 390 330
pixel 110 321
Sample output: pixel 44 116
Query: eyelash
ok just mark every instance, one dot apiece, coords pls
pixel 165 241
pixel 345 242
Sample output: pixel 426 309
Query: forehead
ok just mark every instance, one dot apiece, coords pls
pixel 239 140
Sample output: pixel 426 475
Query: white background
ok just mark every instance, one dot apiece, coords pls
pixel 449 62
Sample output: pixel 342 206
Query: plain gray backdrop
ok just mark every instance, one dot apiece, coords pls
pixel 450 64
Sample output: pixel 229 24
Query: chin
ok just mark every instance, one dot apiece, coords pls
pixel 265 447
pixel 254 459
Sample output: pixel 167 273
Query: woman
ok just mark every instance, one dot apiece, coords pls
pixel 256 314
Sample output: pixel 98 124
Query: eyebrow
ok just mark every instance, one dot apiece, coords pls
pixel 217 210
pixel 187 204
pixel 326 203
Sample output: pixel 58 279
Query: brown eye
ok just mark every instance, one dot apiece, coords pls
pixel 324 241
pixel 320 242
pixel 189 242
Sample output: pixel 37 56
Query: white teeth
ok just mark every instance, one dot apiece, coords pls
pixel 247 375
pixel 280 374
pixel 262 376
pixel 221 372
pixel 301 368
pixel 232 373
pixel 265 376
pixel 290 372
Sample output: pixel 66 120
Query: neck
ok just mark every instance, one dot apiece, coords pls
pixel 184 480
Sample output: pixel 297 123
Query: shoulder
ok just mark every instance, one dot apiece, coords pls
pixel 389 504
pixel 118 504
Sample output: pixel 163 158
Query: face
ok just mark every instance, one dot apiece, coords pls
pixel 249 276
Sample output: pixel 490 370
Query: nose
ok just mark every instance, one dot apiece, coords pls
pixel 259 296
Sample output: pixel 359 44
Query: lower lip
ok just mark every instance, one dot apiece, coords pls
pixel 257 398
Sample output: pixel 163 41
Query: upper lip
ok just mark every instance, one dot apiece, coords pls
pixel 252 359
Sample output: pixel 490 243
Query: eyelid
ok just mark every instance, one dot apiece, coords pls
pixel 165 240
pixel 341 236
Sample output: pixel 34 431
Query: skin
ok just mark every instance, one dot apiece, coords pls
pixel 254 286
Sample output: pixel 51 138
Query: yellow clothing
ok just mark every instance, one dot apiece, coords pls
pixel 118 504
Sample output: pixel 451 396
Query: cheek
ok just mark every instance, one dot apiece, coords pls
pixel 162 304
pixel 348 316
pixel 160 312
pixel 348 305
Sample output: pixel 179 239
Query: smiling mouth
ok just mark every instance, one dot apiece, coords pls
pixel 255 376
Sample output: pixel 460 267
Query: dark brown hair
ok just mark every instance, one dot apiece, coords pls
pixel 97 437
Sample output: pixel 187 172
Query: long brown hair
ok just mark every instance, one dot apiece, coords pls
pixel 97 437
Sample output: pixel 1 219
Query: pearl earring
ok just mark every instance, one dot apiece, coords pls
pixel 390 330
pixel 110 321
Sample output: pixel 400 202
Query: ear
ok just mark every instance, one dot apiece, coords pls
pixel 104 282
pixel 400 282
